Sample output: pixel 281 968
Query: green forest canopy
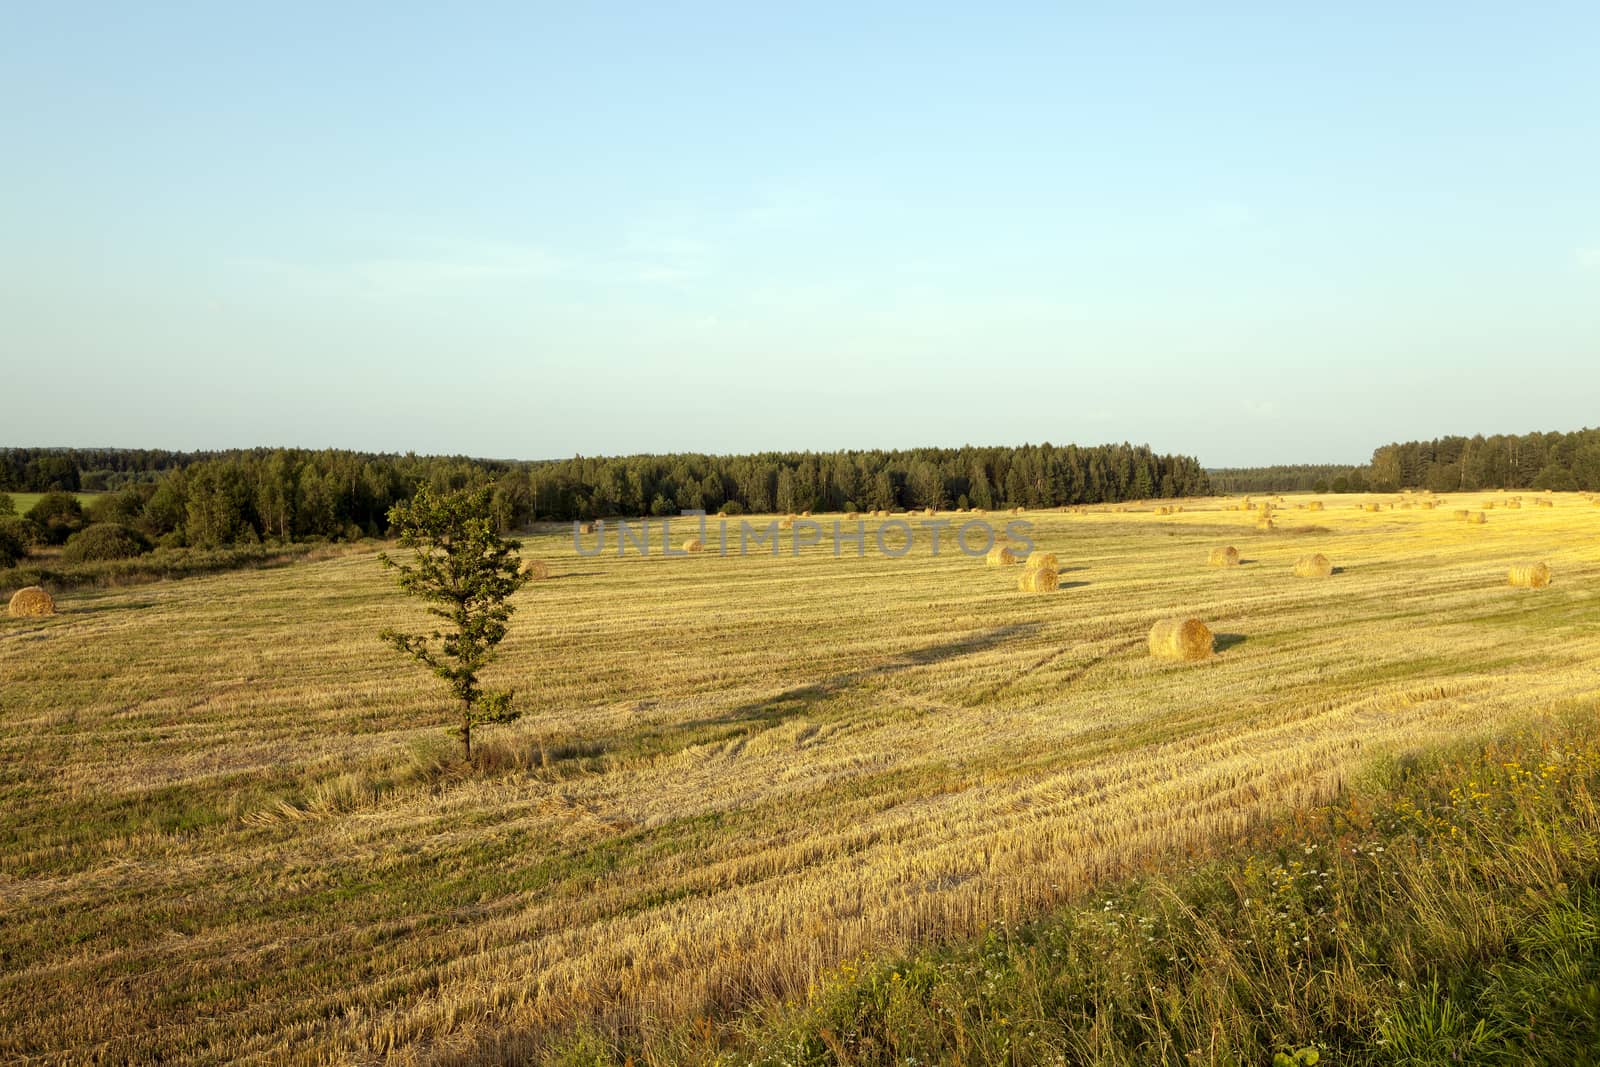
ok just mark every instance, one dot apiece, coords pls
pixel 220 498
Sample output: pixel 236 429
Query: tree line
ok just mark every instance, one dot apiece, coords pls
pixel 222 498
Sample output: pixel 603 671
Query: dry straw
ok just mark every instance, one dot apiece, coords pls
pixel 31 602
pixel 1179 638
pixel 1313 505
pixel 1265 523
pixel 1000 556
pixel 1315 565
pixel 536 570
pixel 851 516
pixel 1372 507
pixel 1462 513
pixel 1224 557
pixel 1045 560
pixel 1477 518
pixel 587 528
pixel 693 545
pixel 1039 580
pixel 1529 575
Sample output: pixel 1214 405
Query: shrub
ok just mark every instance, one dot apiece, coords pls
pixel 12 548
pixel 104 541
pixel 58 515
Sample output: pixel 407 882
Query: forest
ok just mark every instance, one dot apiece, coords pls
pixel 216 499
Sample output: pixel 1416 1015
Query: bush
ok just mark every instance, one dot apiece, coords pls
pixel 104 541
pixel 58 515
pixel 7 505
pixel 12 550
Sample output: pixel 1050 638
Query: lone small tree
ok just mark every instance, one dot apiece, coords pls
pixel 466 571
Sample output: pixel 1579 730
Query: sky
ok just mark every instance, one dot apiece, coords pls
pixel 1253 235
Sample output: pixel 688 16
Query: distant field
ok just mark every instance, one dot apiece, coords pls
pixel 24 501
pixel 231 831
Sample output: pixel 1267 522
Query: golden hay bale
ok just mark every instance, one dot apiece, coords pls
pixel 1046 560
pixel 1477 518
pixel 1543 503
pixel 1529 575
pixel 1313 505
pixel 1514 504
pixel 536 570
pixel 1372 507
pixel 1016 511
pixel 1223 557
pixel 587 528
pixel 805 514
pixel 1000 556
pixel 1265 523
pixel 979 511
pixel 1185 639
pixel 1315 565
pixel 693 545
pixel 928 512
pixel 1462 513
pixel 880 514
pixel 1487 505
pixel 1429 505
pixel 31 602
pixel 1039 580
pixel 851 516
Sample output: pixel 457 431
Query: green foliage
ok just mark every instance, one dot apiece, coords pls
pixel 13 549
pixel 104 541
pixel 1447 910
pixel 466 572
pixel 7 505
pixel 58 515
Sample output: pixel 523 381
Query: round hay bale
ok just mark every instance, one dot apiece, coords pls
pixel 1046 560
pixel 1039 580
pixel 1179 638
pixel 1462 513
pixel 1265 523
pixel 587 528
pixel 1529 575
pixel 785 524
pixel 536 570
pixel 805 514
pixel 31 602
pixel 928 512
pixel 1372 507
pixel 979 511
pixel 1477 518
pixel 693 545
pixel 851 516
pixel 1313 505
pixel 1000 556
pixel 1544 503
pixel 1315 565
pixel 1223 557
pixel 1517 504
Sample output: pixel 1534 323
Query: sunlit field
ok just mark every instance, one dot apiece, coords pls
pixel 235 830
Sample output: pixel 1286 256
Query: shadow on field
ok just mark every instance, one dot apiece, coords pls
pixel 95 609
pixel 796 701
pixel 1223 642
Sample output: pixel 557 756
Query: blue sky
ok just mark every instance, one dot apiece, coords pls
pixel 1252 235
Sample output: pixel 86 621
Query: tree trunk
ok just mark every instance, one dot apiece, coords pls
pixel 466 732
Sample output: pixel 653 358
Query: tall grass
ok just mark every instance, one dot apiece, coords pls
pixel 1446 910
